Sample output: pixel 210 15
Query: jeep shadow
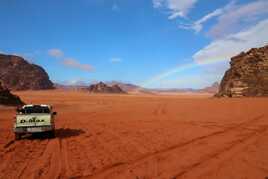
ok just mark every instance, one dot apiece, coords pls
pixel 67 132
pixel 60 133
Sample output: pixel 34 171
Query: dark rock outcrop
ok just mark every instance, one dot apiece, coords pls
pixel 248 75
pixel 103 88
pixel 7 98
pixel 17 74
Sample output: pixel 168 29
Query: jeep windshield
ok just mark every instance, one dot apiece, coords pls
pixel 34 109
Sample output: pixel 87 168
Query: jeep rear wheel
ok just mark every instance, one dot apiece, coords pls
pixel 51 134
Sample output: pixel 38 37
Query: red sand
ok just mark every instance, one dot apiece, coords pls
pixel 128 136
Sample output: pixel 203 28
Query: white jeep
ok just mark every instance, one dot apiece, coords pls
pixel 34 119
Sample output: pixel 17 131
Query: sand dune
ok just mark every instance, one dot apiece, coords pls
pixel 140 136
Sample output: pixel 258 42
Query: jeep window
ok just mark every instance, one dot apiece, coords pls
pixel 35 109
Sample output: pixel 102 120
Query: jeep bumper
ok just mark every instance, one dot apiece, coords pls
pixel 33 129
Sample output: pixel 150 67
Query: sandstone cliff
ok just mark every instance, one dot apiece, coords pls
pixel 17 74
pixel 247 76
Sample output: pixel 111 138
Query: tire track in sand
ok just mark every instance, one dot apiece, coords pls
pixel 18 156
pixel 171 159
pixel 69 148
pixel 257 133
pixel 47 165
pixel 54 163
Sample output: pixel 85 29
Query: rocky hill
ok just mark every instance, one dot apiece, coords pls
pixel 70 87
pixel 6 98
pixel 128 87
pixel 18 74
pixel 103 88
pixel 213 89
pixel 247 76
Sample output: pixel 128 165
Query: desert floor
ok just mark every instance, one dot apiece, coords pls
pixel 140 137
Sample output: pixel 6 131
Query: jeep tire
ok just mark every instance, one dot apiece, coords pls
pixel 51 134
pixel 17 136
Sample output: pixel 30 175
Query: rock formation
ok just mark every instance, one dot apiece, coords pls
pixel 6 98
pixel 103 88
pixel 248 75
pixel 17 74
pixel 128 87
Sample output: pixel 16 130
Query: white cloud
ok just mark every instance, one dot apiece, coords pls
pixel 238 17
pixel 69 62
pixel 57 53
pixel 230 18
pixel 73 63
pixel 177 8
pixel 158 3
pixel 225 48
pixel 115 60
pixel 197 26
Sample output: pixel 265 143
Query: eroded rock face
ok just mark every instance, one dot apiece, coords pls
pixel 103 88
pixel 17 74
pixel 248 75
pixel 7 98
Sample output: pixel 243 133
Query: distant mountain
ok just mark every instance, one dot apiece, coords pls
pixel 70 87
pixel 18 74
pixel 124 86
pixel 172 90
pixel 104 88
pixel 214 88
pixel 135 88
pixel 211 89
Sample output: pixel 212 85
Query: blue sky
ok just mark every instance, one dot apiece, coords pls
pixel 153 43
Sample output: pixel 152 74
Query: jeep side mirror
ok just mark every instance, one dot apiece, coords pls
pixel 19 110
pixel 54 113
